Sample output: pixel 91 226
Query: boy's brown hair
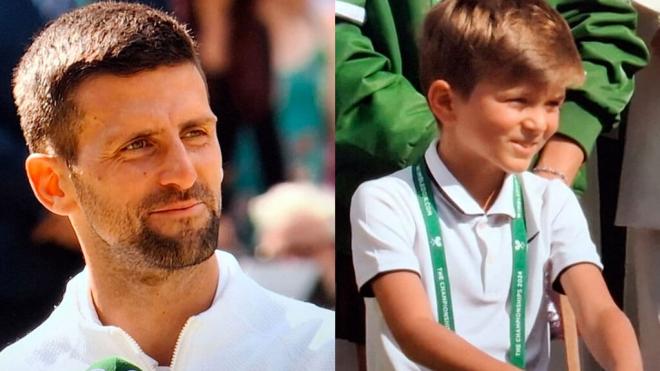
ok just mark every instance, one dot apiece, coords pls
pixel 466 41
pixel 105 37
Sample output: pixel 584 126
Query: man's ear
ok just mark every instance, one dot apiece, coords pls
pixel 441 99
pixel 50 183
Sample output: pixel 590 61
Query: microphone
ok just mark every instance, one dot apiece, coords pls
pixel 113 364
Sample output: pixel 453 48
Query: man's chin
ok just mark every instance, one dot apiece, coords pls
pixel 175 257
pixel 181 264
pixel 178 245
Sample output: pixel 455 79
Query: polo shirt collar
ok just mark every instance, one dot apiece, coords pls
pixel 454 192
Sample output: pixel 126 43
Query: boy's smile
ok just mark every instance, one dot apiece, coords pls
pixel 502 126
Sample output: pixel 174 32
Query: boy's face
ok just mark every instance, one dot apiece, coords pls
pixel 505 125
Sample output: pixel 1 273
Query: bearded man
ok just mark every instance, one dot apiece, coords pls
pixel 114 108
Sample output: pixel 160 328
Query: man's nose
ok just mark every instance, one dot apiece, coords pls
pixel 178 168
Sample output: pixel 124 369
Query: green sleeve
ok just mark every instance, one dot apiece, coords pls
pixel 382 121
pixel 604 32
pixel 379 113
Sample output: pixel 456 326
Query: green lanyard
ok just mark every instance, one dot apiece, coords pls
pixel 518 295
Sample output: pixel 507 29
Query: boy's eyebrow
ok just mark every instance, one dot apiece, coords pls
pixel 561 94
pixel 559 97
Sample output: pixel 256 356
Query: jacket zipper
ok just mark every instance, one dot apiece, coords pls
pixel 135 345
pixel 178 343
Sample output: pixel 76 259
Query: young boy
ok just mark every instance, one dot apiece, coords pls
pixel 451 253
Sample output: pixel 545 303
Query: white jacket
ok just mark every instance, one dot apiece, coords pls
pixel 246 328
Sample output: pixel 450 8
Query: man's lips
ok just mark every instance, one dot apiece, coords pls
pixel 176 207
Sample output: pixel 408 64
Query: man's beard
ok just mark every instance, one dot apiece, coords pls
pixel 134 242
pixel 171 253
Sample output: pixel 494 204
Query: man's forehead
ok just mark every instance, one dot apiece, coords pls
pixel 151 84
pixel 109 133
pixel 149 100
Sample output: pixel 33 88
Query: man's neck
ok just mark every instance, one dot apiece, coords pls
pixel 481 180
pixel 153 308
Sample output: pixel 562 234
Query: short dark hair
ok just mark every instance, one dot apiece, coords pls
pixel 466 41
pixel 105 37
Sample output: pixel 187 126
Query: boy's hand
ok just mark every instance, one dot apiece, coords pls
pixel 605 329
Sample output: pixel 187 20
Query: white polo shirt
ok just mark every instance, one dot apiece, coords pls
pixel 388 233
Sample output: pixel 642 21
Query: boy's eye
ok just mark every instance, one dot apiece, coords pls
pixel 555 103
pixel 517 101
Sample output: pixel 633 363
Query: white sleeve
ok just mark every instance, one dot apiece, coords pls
pixel 571 242
pixel 382 229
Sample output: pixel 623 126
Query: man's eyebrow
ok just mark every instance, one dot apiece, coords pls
pixel 122 136
pixel 205 120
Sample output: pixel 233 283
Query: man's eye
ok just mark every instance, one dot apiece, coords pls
pixel 136 145
pixel 194 133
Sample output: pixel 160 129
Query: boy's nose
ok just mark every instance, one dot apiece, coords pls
pixel 536 120
pixel 178 169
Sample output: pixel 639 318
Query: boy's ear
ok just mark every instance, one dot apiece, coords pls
pixel 441 101
pixel 50 183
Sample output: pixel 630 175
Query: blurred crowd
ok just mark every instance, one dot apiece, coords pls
pixel 270 68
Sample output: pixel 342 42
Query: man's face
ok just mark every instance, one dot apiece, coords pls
pixel 505 125
pixel 148 170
